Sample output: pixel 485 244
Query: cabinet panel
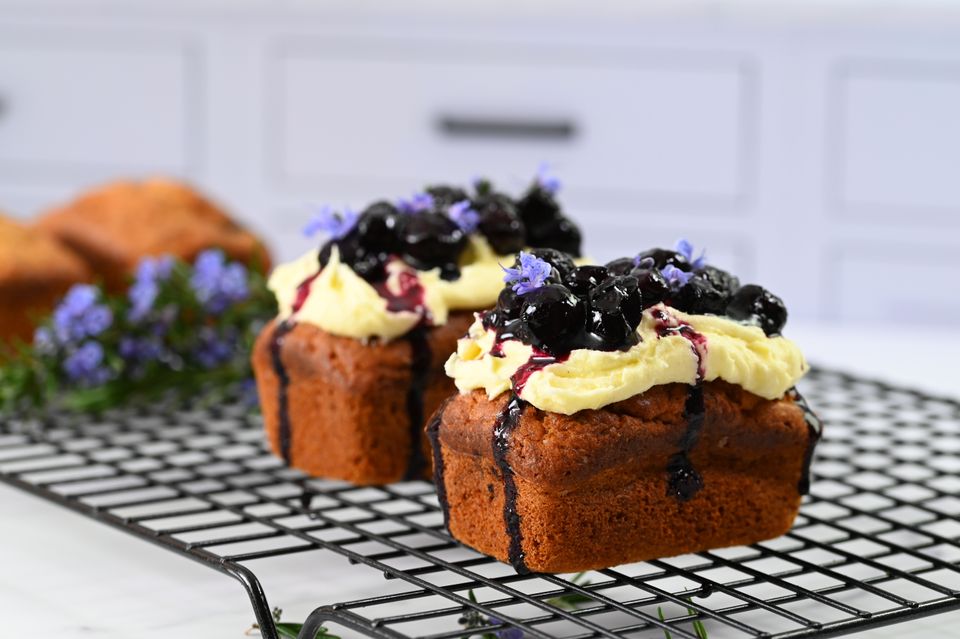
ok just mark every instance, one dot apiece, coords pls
pixel 898 139
pixel 78 106
pixel 665 127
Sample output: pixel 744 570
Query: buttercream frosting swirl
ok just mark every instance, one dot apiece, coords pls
pixel 734 352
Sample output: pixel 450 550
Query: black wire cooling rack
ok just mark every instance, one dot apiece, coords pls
pixel 876 542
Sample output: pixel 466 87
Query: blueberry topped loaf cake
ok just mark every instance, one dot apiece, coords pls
pixel 348 371
pixel 619 413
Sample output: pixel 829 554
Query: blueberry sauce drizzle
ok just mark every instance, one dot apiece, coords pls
pixel 410 298
pixel 283 409
pixel 815 429
pixel 503 428
pixel 421 358
pixel 683 480
pixel 433 433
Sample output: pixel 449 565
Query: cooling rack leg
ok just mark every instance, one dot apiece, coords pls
pixel 346 619
pixel 258 599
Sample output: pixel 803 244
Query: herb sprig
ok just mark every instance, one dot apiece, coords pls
pixel 180 328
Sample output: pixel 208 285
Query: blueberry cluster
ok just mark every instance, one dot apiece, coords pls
pixel 556 306
pixel 430 230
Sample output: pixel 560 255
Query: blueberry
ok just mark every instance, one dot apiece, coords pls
pixel 721 279
pixel 653 286
pixel 377 228
pixel 348 247
pixel 509 304
pixel 699 296
pixel 561 234
pixel 432 240
pixel 619 294
pixel 370 266
pixel 662 257
pixel 538 208
pixel 514 329
pixel 490 319
pixel 620 266
pixel 551 317
pixel 756 304
pixel 500 225
pixel 611 330
pixel 444 195
pixel 583 278
pixel 559 260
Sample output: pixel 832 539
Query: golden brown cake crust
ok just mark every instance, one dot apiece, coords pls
pixel 35 271
pixel 114 226
pixel 592 488
pixel 347 400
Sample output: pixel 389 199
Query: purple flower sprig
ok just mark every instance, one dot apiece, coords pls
pixel 529 275
pixel 675 277
pixel 465 217
pixel 416 203
pixel 150 274
pixel 80 315
pixel 546 180
pixel 217 283
pixel 685 248
pixel 334 224
pixel 179 328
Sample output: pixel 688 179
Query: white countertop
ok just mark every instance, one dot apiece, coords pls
pixel 67 576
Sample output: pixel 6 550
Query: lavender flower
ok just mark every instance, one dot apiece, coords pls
pixel 135 350
pixel 506 633
pixel 530 275
pixel 85 365
pixel 218 284
pixel 465 217
pixel 146 285
pixel 417 203
pixel 685 248
pixel 643 262
pixel 327 221
pixel 214 349
pixel 79 316
pixel 675 277
pixel 546 180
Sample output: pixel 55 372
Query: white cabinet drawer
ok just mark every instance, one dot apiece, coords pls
pixel 661 126
pixel 898 140
pixel 76 106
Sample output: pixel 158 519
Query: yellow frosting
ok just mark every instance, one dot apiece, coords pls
pixel 481 277
pixel 736 353
pixel 343 303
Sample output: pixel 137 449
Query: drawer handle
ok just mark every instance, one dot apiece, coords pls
pixel 515 128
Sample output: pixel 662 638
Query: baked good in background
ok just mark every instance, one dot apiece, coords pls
pixel 114 226
pixel 35 270
pixel 619 413
pixel 354 362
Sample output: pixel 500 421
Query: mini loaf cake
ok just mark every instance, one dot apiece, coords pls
pixel 113 227
pixel 619 413
pixel 35 271
pixel 354 363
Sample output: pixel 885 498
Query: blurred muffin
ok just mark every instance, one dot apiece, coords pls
pixel 116 225
pixel 35 270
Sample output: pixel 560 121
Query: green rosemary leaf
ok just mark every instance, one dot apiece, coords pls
pixel 572 600
pixel 666 633
pixel 698 628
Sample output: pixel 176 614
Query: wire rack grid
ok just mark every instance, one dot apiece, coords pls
pixel 876 542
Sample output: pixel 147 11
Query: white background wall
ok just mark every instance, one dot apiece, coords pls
pixel 816 153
